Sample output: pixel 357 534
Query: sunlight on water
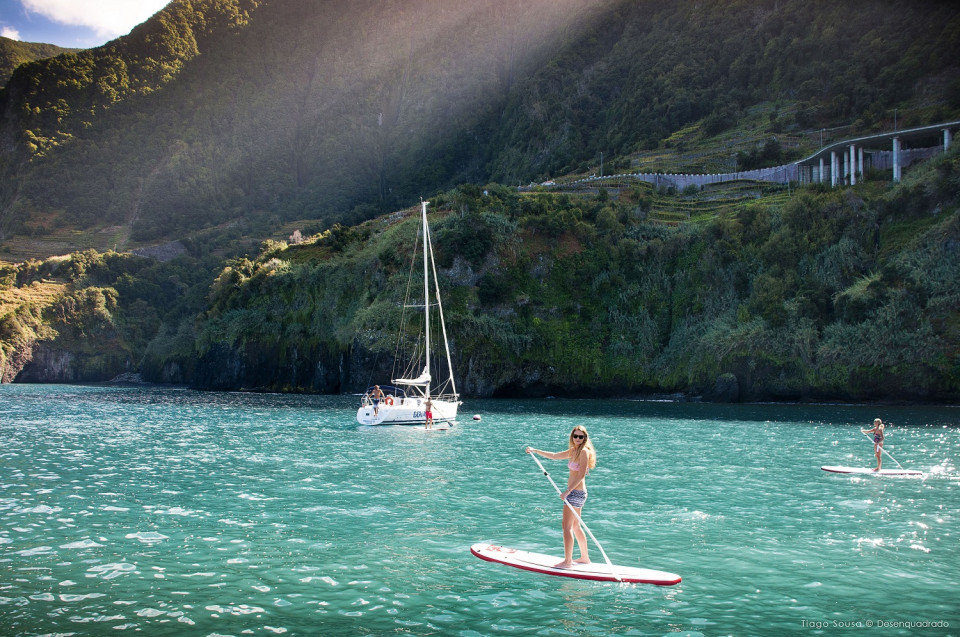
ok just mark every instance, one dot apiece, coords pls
pixel 178 512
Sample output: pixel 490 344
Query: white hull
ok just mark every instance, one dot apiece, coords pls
pixel 408 411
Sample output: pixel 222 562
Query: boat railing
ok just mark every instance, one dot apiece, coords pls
pixel 399 396
pixel 450 398
pixel 388 391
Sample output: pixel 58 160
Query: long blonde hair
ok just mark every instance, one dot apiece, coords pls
pixel 587 445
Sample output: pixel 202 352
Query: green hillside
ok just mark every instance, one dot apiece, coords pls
pixel 222 111
pixel 253 113
pixel 822 294
pixel 220 128
pixel 13 53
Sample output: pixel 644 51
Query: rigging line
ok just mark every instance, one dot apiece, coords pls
pixel 403 314
pixel 613 569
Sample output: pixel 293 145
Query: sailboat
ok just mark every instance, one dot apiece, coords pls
pixel 406 400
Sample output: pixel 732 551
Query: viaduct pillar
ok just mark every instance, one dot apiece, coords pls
pixel 853 165
pixel 897 173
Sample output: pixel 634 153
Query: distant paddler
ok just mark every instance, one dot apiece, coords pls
pixel 428 414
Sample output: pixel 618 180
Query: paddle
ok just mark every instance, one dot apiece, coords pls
pixel 882 449
pixel 574 511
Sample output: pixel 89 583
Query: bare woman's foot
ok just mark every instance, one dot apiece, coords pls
pixel 582 560
pixel 563 564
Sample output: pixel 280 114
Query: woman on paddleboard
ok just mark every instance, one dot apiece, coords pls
pixel 878 436
pixel 581 457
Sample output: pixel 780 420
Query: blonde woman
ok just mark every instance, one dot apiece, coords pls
pixel 878 435
pixel 581 457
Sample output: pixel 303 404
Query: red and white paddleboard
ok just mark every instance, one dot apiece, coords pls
pixel 540 563
pixel 868 471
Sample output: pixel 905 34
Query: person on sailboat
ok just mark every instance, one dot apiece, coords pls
pixel 376 395
pixel 878 436
pixel 581 457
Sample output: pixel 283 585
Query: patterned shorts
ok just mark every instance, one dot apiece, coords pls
pixel 576 498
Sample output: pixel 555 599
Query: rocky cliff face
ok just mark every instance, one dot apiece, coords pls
pixel 12 364
pixel 258 367
pixel 47 362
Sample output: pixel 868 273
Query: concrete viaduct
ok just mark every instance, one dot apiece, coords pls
pixel 840 163
pixel 845 162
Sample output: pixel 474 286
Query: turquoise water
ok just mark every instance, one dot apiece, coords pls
pixel 173 512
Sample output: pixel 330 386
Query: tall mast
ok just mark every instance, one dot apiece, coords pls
pixel 426 288
pixel 443 323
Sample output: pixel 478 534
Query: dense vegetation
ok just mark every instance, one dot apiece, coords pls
pixel 95 313
pixel 649 69
pixel 223 122
pixel 218 110
pixel 14 53
pixel 836 294
pixel 267 111
pixel 847 293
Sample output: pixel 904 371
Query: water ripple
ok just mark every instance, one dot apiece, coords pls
pixel 146 510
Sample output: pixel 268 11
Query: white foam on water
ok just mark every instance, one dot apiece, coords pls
pixel 147 537
pixel 112 570
pixel 81 544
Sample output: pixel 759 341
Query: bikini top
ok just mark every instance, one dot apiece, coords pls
pixel 574 466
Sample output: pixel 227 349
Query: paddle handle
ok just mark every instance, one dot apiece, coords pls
pixel 613 569
pixel 882 449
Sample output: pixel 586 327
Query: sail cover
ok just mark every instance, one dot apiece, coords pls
pixel 422 379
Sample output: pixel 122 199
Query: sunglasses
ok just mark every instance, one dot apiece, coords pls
pixel 579 436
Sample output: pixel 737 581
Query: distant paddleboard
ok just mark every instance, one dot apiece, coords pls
pixel 882 472
pixel 540 563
